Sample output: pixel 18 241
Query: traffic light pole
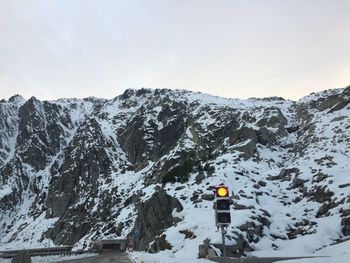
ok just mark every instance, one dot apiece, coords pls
pixel 223 233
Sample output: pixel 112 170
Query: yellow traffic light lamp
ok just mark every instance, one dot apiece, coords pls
pixel 222 191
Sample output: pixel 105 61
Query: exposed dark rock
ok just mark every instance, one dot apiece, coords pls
pixel 339 118
pixel 142 91
pixel 344 185
pixel 244 140
pixel 142 140
pixel 177 173
pixel 346 226
pixel 261 183
pixel 319 194
pixel 345 212
pixel 266 137
pixel 127 94
pixel 326 160
pixel 252 230
pixel 160 244
pixel 32 132
pixel 325 207
pixel 275 120
pixel 340 105
pixel 83 161
pixel 292 129
pixel 332 102
pixel 303 227
pixel 203 249
pixel 319 177
pixel 248 150
pixel 243 135
pixel 256 186
pixel 16 98
pixel 195 196
pixel 236 250
pixel 297 182
pixel 241 207
pixel 208 197
pixel 265 213
pixel 134 199
pixel 278 237
pixel 132 140
pixel 155 215
pixel 83 164
pixel 285 174
pixel 188 234
pixel 200 177
pixel 264 221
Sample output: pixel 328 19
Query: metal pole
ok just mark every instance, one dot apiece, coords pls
pixel 223 232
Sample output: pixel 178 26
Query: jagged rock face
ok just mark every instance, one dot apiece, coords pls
pixel 74 183
pixel 155 215
pixel 346 226
pixel 143 139
pixel 40 130
pixel 8 124
pixel 74 171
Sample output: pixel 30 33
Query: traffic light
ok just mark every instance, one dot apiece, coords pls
pixel 222 206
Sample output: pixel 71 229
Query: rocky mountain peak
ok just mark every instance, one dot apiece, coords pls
pixel 73 171
pixel 18 99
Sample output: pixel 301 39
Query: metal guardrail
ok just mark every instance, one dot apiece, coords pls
pixel 66 250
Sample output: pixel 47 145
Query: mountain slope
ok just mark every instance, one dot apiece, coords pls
pixel 73 171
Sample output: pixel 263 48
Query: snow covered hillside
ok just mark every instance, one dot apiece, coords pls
pixel 73 171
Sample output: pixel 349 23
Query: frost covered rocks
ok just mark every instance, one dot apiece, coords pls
pixel 154 216
pixel 76 170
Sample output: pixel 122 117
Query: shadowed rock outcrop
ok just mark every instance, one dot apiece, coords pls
pixel 81 168
pixel 155 215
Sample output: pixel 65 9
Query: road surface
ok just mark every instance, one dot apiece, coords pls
pixel 123 258
pixel 106 258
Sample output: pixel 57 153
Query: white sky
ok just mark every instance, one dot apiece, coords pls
pixel 230 48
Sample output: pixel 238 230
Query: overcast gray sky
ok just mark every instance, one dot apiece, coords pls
pixel 230 48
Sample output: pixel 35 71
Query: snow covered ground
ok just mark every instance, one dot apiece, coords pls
pixel 339 253
pixel 295 227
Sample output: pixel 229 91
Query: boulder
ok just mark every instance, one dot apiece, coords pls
pixel 285 174
pixel 155 215
pixel 319 194
pixel 345 223
pixel 325 207
pixel 208 197
pixel 266 137
pixel 253 231
pixel 160 244
pixel 203 249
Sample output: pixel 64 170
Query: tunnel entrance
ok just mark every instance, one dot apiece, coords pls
pixel 108 245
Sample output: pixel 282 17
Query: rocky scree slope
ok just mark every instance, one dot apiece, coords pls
pixel 73 171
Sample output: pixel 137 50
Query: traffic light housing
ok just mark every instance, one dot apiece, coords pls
pixel 222 206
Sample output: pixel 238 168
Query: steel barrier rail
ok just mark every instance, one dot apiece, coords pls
pixel 67 250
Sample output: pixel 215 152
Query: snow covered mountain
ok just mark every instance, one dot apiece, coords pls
pixel 73 171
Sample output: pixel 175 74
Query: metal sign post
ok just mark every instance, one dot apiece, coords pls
pixel 136 236
pixel 223 233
